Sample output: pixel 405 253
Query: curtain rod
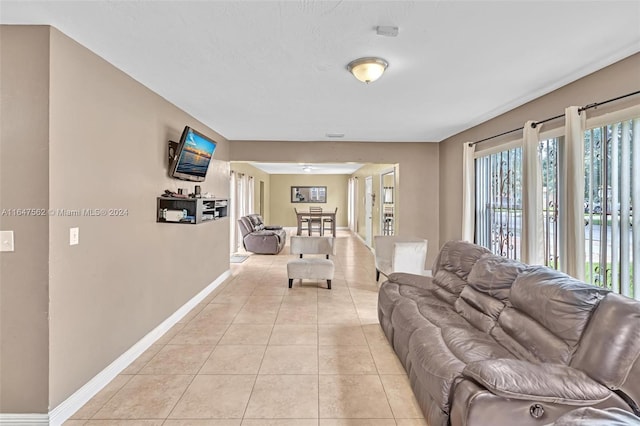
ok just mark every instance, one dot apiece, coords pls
pixel 535 124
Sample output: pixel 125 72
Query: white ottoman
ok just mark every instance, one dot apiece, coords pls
pixel 311 269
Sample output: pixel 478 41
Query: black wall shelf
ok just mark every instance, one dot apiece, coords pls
pixel 191 210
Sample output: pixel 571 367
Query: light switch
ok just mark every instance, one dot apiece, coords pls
pixel 6 240
pixel 74 236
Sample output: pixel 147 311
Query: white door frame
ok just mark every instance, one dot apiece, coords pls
pixel 368 209
pixel 353 204
pixel 382 174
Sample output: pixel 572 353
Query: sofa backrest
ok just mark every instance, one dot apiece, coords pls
pixel 245 226
pixel 452 267
pixel 609 351
pixel 256 221
pixel 548 314
pixel 487 292
pixel 313 245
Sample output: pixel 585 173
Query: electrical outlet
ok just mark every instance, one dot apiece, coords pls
pixel 6 240
pixel 74 236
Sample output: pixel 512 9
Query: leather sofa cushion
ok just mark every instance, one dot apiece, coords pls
pixel 255 220
pixel 560 303
pixel 388 298
pixel 406 319
pixel 441 314
pixel 480 310
pixel 412 280
pixel 458 257
pixel 490 282
pixel 437 378
pixel 418 288
pixel 453 265
pixel 494 275
pixel 534 338
pixel 452 346
pixel 246 227
pixel 470 345
pixel 615 325
pixel 449 281
pixel 511 378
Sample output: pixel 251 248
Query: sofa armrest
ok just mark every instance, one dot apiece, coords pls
pixel 553 383
pixel 264 233
pixel 419 281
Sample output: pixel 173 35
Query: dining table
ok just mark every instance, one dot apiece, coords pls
pixel 301 215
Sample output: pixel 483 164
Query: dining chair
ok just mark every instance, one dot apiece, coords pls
pixel 315 220
pixel 304 222
pixel 327 223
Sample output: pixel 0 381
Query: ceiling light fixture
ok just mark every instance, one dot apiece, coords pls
pixel 306 169
pixel 367 69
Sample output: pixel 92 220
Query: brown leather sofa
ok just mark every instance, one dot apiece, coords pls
pixel 491 341
pixel 260 238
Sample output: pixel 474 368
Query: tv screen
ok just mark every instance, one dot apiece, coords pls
pixel 192 156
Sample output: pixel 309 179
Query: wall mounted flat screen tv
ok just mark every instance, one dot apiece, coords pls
pixel 193 156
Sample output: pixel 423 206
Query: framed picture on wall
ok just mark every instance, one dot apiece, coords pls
pixel 308 194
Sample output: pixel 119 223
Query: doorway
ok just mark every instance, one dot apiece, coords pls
pixel 368 209
pixel 387 202
pixel 353 204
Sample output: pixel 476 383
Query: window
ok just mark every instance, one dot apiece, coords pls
pixel 548 152
pixel 499 202
pixel 608 153
pixel 611 188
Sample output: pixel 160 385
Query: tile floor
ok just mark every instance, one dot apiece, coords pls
pixel 256 353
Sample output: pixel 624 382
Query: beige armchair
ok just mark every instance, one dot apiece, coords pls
pixel 311 268
pixel 399 254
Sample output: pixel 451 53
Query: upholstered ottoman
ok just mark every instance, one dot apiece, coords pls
pixel 311 269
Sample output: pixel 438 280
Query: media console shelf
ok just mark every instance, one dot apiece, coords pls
pixel 191 210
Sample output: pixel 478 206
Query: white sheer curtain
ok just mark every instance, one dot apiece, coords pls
pixel 635 201
pixel 249 195
pixel 241 198
pixel 571 195
pixel 468 192
pixel 233 212
pixel 532 242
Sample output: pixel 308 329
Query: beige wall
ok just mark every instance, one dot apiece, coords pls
pixel 108 143
pixel 258 176
pixel 282 208
pixel 24 183
pixel 618 79
pixel 418 177
pixel 104 146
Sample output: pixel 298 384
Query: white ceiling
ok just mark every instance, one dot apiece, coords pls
pixel 275 70
pixel 316 168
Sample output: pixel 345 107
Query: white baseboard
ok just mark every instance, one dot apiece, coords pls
pixel 68 407
pixel 363 241
pixel 24 419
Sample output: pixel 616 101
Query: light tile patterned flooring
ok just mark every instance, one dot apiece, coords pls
pixel 256 353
